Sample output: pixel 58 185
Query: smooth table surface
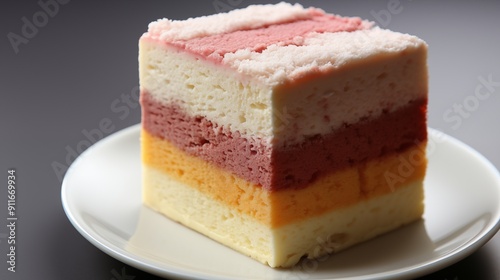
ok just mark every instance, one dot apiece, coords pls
pixel 69 78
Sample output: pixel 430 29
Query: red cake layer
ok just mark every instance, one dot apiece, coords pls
pixel 294 166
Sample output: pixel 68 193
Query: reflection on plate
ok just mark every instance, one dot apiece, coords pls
pixel 101 195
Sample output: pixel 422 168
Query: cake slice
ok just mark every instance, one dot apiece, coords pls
pixel 283 132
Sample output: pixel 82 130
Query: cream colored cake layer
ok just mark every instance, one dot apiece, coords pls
pixel 282 246
pixel 361 84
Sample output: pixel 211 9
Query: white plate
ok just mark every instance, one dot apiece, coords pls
pixel 101 195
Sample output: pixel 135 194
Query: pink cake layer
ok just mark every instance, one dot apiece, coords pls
pixel 291 167
pixel 214 46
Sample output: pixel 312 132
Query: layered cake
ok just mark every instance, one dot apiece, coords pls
pixel 283 132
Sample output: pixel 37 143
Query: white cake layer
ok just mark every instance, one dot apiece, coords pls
pixel 381 73
pixel 283 246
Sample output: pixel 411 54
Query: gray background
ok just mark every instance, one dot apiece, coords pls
pixel 82 60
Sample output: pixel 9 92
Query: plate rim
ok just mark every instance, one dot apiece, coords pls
pixel 156 268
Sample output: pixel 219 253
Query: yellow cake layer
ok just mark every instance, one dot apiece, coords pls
pixel 340 189
pixel 282 246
